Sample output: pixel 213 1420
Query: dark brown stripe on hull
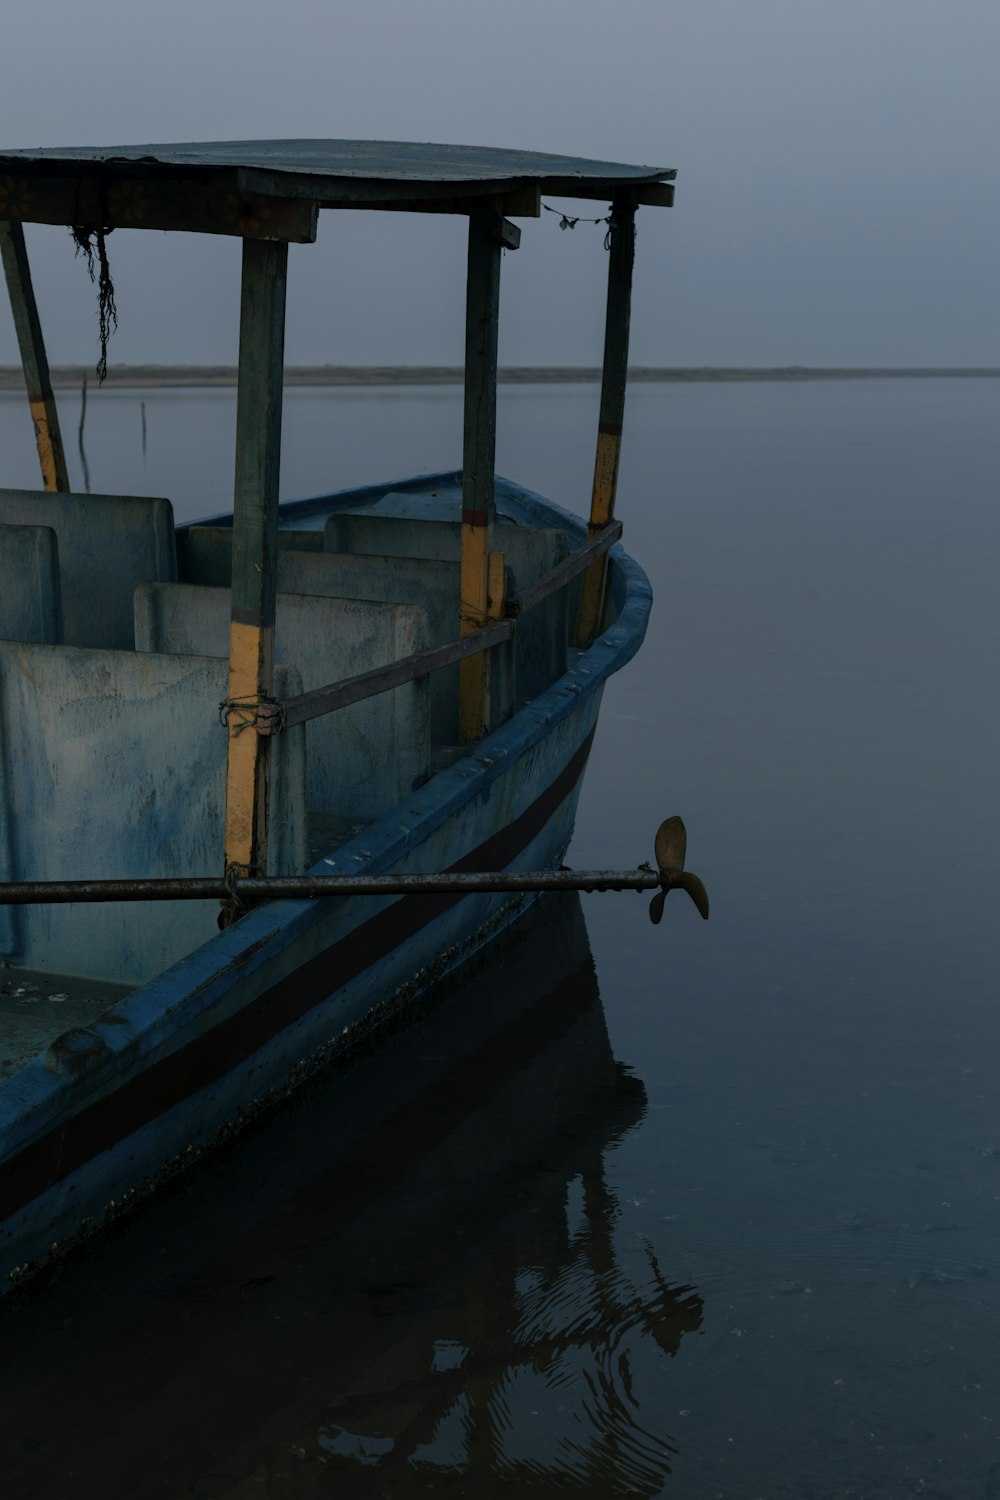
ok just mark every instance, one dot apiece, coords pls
pixel 207 1058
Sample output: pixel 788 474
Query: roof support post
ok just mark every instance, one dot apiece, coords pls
pixel 486 225
pixel 255 550
pixel 33 359
pixel 609 432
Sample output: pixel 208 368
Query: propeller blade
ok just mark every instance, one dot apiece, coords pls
pixel 696 891
pixel 670 844
pixel 656 906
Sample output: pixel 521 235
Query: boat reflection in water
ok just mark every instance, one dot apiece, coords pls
pixel 413 1281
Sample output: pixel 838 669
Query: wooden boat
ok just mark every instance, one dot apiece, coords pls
pixel 408 679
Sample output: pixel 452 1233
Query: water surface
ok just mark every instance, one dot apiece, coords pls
pixel 758 1258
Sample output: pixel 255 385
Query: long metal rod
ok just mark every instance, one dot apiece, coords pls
pixel 211 888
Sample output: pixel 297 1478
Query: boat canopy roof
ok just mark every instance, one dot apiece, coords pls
pixel 37 186
pixel 320 165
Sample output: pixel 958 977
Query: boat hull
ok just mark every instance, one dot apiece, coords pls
pixel 110 1109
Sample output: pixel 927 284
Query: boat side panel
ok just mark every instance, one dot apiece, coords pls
pixel 108 545
pixel 114 764
pixel 30 600
pixel 363 760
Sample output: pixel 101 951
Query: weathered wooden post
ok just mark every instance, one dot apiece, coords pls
pixel 489 234
pixel 255 550
pixel 33 359
pixel 609 432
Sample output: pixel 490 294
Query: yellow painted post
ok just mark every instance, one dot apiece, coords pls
pixel 28 327
pixel 474 671
pixel 479 455
pixel 255 551
pixel 496 587
pixel 609 432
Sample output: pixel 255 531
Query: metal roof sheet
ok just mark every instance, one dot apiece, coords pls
pixel 378 162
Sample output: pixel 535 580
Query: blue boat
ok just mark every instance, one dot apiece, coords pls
pixel 399 683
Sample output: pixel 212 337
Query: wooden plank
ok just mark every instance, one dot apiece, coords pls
pixel 255 549
pixel 523 202
pixel 34 362
pixel 656 194
pixel 202 207
pixel 478 460
pixel 496 585
pixel 570 567
pixel 609 435
pixel 507 233
pixel 367 192
pixel 501 628
pixel 371 192
pixel 327 699
pixel 518 199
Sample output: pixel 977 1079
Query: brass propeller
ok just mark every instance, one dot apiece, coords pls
pixel 669 848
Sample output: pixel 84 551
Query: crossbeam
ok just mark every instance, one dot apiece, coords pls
pixel 190 205
pixel 326 700
pixel 564 572
pixel 272 716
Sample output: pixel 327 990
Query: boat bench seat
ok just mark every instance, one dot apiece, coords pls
pixel 205 553
pixel 433 586
pixel 108 545
pixel 430 581
pixel 30 600
pixel 363 759
pixel 113 765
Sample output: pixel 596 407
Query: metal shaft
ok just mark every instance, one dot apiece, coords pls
pixel 198 888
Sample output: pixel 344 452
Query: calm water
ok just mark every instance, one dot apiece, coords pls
pixel 736 1230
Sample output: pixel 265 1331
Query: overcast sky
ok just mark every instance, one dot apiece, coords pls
pixel 837 193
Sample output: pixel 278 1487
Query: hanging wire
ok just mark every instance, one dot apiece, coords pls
pixel 568 221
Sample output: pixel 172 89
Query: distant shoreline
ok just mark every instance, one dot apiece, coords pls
pixel 69 377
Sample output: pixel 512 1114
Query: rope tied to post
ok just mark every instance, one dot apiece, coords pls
pixel 234 906
pixel 253 711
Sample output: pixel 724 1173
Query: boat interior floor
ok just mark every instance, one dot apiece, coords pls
pixel 35 1008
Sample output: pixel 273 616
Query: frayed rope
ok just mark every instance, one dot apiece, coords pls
pixel 91 243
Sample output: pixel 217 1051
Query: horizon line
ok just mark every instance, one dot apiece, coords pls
pixel 68 376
